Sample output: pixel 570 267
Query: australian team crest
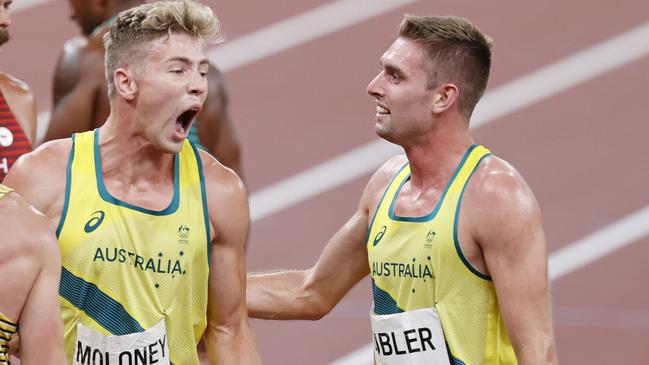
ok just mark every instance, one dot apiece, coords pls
pixel 183 234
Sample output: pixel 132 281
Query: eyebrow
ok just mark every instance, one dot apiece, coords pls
pixel 187 61
pixel 391 68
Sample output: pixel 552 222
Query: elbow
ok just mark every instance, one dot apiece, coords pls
pixel 318 304
pixel 317 310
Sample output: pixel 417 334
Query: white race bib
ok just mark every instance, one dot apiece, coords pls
pixel 409 338
pixel 148 347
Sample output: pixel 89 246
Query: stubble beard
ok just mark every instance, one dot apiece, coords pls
pixel 4 36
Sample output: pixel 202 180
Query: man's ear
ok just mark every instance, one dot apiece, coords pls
pixel 445 96
pixel 125 84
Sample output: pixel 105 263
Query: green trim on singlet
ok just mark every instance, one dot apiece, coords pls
pixel 428 217
pixel 109 198
pixel 193 136
pixel 455 229
pixel 68 185
pixel 206 215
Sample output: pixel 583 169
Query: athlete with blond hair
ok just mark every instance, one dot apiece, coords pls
pixel 17 108
pixel 80 101
pixel 151 229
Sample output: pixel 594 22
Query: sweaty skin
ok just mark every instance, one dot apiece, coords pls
pixel 500 230
pixel 30 257
pixel 137 145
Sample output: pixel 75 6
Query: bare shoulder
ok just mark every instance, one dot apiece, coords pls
pixel 40 176
pixel 21 100
pixel 31 235
pixel 52 155
pixel 81 55
pixel 499 205
pixel 219 179
pixel 223 189
pixel 14 85
pixel 78 47
pixel 496 183
pixel 380 180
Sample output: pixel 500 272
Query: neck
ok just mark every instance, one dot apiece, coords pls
pixel 433 160
pixel 128 156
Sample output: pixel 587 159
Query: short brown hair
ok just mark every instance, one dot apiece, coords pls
pixel 135 27
pixel 459 52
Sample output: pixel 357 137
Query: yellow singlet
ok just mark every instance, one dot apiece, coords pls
pixel 7 327
pixel 126 268
pixel 416 263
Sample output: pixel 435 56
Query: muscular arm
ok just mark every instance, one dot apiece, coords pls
pixel 40 324
pixel 33 261
pixel 312 293
pixel 40 177
pixel 215 128
pixel 79 90
pixel 510 234
pixel 229 338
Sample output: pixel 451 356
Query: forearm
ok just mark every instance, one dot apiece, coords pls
pixel 547 356
pixel 284 295
pixel 231 344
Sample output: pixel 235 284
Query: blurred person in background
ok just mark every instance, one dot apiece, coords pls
pixel 80 94
pixel 17 108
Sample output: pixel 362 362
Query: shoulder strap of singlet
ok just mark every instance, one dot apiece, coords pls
pixel 384 203
pixel 467 167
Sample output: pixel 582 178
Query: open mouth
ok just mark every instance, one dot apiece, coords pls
pixel 185 119
pixel 382 110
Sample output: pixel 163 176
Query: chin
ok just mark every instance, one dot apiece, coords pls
pixel 384 133
pixel 171 147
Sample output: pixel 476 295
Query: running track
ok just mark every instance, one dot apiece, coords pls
pixel 576 132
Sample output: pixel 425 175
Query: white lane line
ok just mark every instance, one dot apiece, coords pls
pixel 320 178
pixel 21 5
pixel 513 96
pixel 562 262
pixel 283 35
pixel 298 30
pixel 599 244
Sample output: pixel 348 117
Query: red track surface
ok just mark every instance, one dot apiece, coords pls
pixel 581 150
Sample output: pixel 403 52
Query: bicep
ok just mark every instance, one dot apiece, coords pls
pixel 227 277
pixel 516 256
pixel 41 327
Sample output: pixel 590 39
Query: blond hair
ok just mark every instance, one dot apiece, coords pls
pixel 459 53
pixel 134 28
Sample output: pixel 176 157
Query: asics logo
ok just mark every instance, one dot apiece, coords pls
pixel 94 222
pixel 379 235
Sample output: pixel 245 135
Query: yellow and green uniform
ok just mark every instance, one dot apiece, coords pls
pixel 125 268
pixel 417 263
pixel 7 327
